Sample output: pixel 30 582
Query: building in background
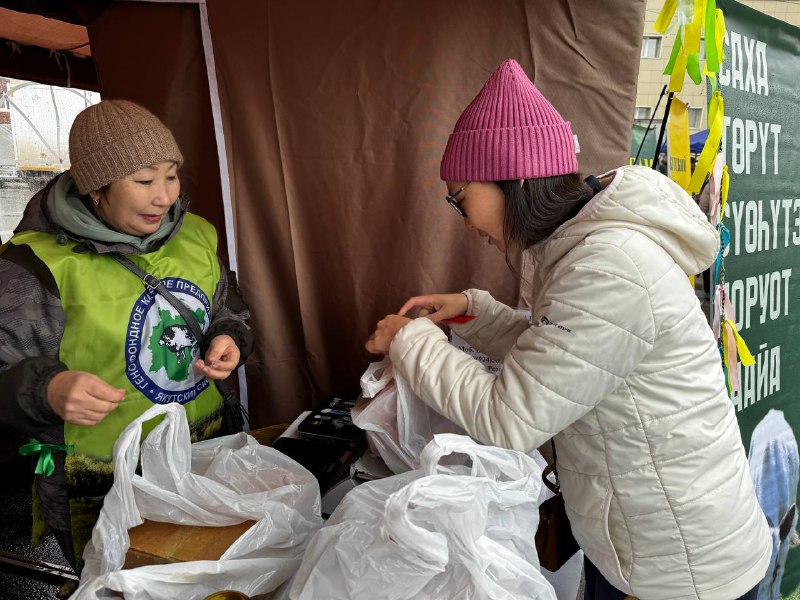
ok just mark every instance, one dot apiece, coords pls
pixel 655 54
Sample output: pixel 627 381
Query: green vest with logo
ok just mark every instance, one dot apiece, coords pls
pixel 132 338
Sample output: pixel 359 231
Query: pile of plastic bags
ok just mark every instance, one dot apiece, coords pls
pixel 458 521
pixel 223 481
pixel 433 533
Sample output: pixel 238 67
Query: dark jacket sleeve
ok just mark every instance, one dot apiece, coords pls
pixel 230 315
pixel 31 327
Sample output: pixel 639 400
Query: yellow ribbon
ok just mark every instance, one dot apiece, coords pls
pixel 705 162
pixel 692 38
pixel 719 23
pixel 693 57
pixel 678 70
pixel 699 15
pixel 741 347
pixel 45 465
pixel 723 191
pixel 665 16
pixel 685 55
pixel 710 69
pixel 729 354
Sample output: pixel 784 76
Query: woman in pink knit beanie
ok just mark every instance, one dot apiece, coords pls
pixel 617 365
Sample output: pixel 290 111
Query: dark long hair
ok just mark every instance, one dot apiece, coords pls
pixel 535 209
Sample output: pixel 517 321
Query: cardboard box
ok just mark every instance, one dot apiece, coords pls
pixel 154 543
pixel 266 435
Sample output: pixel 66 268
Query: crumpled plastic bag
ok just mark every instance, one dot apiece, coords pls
pixel 398 424
pixel 217 482
pixel 438 532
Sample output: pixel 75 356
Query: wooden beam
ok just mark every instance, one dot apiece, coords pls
pixel 33 63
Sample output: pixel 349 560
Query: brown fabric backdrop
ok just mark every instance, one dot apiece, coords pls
pixel 336 113
pixel 336 116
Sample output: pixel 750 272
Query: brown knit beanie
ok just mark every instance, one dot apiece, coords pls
pixel 115 138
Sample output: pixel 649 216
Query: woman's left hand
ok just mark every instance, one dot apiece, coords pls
pixel 221 358
pixel 378 342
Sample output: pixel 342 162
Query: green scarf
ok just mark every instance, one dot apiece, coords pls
pixel 68 210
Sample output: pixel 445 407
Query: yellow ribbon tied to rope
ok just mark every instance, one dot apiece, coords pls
pixel 676 66
pixel 693 37
pixel 45 465
pixel 715 34
pixel 685 55
pixel 705 162
pixel 723 191
pixel 732 352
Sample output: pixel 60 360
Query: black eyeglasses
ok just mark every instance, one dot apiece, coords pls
pixel 451 200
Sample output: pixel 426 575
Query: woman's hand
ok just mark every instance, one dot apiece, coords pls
pixel 379 342
pixel 221 358
pixel 437 307
pixel 82 398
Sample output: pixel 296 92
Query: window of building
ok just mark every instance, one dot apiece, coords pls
pixel 695 118
pixel 641 115
pixel 651 46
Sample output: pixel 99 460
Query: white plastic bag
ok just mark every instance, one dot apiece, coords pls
pixel 439 532
pixel 397 422
pixel 212 483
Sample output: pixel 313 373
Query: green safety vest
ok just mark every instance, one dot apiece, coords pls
pixel 132 338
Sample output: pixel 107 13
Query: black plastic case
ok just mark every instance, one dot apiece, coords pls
pixel 331 422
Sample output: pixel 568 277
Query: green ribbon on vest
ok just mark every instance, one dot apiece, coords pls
pixel 46 465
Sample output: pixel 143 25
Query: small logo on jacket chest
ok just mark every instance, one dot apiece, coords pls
pixel 546 321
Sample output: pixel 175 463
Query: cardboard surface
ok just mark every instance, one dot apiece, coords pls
pixel 154 543
pixel 266 435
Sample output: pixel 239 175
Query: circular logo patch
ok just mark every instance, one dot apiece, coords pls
pixel 160 349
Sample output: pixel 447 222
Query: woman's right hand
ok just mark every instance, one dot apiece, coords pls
pixel 82 398
pixel 437 307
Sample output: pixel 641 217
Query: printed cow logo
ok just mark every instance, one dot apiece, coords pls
pixel 173 345
pixel 178 339
pixel 160 350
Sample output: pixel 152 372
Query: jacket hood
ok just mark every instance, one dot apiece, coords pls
pixel 58 209
pixel 642 200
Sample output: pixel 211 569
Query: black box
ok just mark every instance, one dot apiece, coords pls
pixel 331 423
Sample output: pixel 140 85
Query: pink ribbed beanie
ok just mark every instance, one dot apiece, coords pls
pixel 509 131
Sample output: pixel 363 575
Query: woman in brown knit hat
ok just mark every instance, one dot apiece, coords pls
pixel 85 345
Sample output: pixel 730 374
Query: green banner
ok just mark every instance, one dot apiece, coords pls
pixel 761 141
pixel 648 149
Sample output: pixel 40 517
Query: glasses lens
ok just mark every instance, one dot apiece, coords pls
pixel 455 204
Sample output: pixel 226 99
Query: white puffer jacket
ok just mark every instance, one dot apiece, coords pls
pixel 621 364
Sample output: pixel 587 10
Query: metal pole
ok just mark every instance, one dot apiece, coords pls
pixel 663 127
pixel 652 116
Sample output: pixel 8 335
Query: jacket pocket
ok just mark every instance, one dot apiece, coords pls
pixel 611 567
